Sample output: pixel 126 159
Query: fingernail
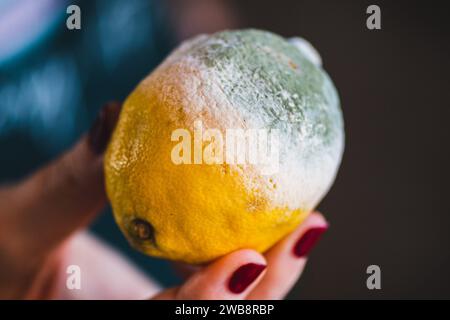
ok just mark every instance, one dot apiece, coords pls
pixel 307 241
pixel 103 126
pixel 244 276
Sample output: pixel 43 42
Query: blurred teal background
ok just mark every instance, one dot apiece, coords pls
pixel 54 80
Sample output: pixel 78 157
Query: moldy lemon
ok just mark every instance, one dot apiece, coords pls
pixel 196 211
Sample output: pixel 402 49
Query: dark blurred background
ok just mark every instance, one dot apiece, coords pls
pixel 388 206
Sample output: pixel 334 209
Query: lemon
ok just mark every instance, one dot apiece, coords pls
pixel 184 187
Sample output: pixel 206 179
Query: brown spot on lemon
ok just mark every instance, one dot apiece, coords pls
pixel 142 230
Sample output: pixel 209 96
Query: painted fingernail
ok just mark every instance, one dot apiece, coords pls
pixel 307 241
pixel 103 126
pixel 244 276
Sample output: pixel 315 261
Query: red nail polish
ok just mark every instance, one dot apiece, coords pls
pixel 244 276
pixel 103 126
pixel 307 241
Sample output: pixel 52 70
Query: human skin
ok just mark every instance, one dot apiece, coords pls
pixel 42 222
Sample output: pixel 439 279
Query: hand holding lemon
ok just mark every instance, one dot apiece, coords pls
pixel 198 203
pixel 181 190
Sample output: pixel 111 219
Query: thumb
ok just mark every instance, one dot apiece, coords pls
pixel 230 277
pixel 43 210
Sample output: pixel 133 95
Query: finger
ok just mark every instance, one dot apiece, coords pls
pixel 186 270
pixel 61 197
pixel 287 259
pixel 230 277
